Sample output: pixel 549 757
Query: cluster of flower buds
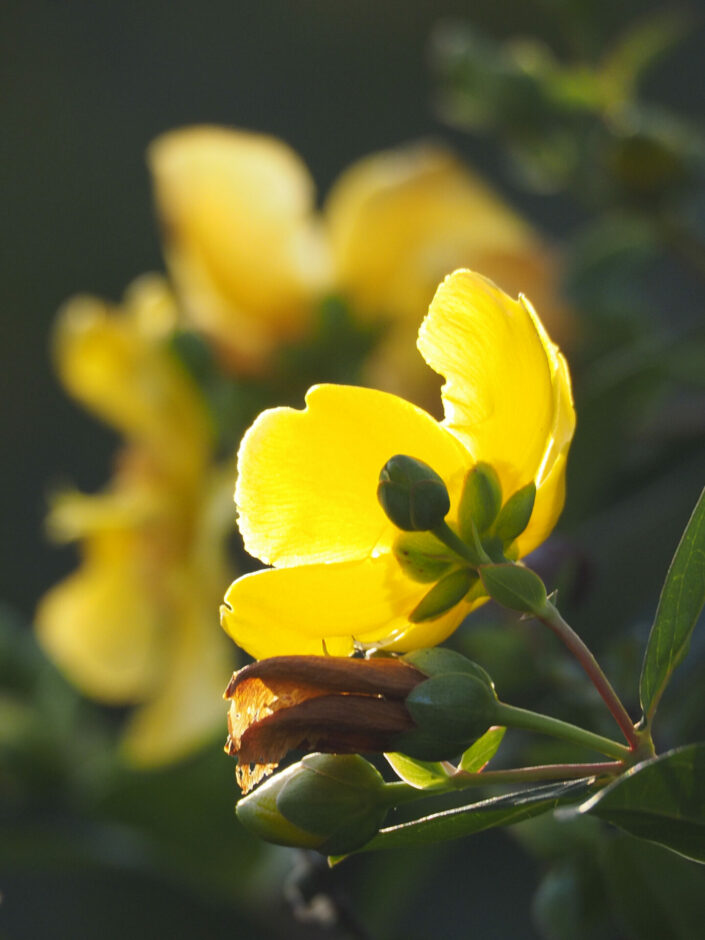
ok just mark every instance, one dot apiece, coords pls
pixel 431 704
pixel 475 558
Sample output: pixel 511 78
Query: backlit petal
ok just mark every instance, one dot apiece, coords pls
pixel 242 241
pixel 499 395
pixel 319 608
pixel 102 627
pixel 187 706
pixel 307 483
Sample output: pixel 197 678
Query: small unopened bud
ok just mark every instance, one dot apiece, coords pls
pixel 451 709
pixel 412 494
pixel 480 501
pixel 331 803
pixel 515 587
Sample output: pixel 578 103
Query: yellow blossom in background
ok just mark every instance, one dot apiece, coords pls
pixel 307 480
pixel 135 623
pixel 243 244
pixel 250 256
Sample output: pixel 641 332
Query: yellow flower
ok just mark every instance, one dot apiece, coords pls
pixel 250 257
pixel 242 242
pixel 306 489
pixel 134 624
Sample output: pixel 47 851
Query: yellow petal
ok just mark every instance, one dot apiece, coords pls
pixel 102 628
pixel 242 241
pixel 318 608
pixel 323 609
pixel 401 219
pixel 499 398
pixel 187 706
pixel 307 483
pixel 113 363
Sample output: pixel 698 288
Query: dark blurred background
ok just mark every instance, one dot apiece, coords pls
pixel 85 87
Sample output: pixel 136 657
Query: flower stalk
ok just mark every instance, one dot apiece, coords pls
pixel 552 618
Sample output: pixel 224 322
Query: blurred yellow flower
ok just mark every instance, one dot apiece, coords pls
pixel 134 624
pixel 250 256
pixel 307 480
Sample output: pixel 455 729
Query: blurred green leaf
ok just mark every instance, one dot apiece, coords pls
pixel 475 817
pixel 482 751
pixel 661 800
pixel 418 773
pixel 681 601
pixel 654 893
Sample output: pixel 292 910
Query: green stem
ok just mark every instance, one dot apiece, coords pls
pixel 399 792
pixel 445 534
pixel 532 774
pixel 515 717
pixel 552 618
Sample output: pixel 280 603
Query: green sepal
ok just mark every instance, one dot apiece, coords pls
pixel 444 595
pixel 422 557
pixel 480 501
pixel 339 798
pixel 437 660
pixel 515 587
pixel 515 514
pixel 482 751
pixel 422 775
pixel 258 812
pixel 412 494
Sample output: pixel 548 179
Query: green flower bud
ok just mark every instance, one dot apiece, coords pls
pixel 445 595
pixel 515 587
pixel 333 803
pixel 480 501
pixel 515 514
pixel 259 813
pixel 452 708
pixel 412 494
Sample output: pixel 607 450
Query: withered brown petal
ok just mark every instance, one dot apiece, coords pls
pixel 389 677
pixel 335 724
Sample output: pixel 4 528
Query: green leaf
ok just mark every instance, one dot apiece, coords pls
pixel 681 601
pixel 482 751
pixel 475 817
pixel 418 773
pixel 661 800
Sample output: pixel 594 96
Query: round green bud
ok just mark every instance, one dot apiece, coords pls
pixel 412 494
pixel 451 711
pixel 258 812
pixel 332 803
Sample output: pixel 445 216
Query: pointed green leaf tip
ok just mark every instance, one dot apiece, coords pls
pixel 480 501
pixel 515 587
pixel 681 601
pixel 412 494
pixel 661 800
